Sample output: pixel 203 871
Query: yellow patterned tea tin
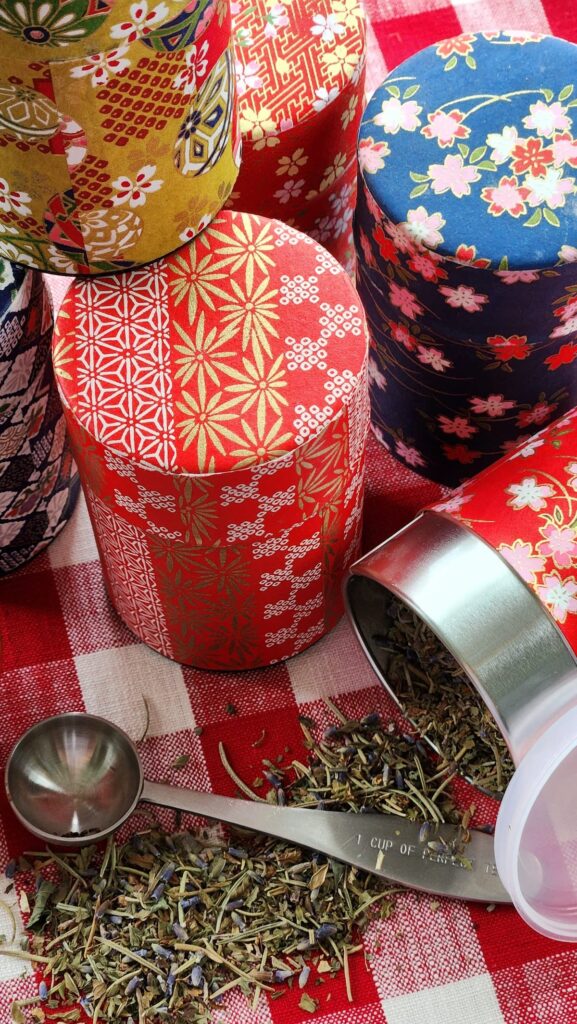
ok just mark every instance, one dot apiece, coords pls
pixel 118 134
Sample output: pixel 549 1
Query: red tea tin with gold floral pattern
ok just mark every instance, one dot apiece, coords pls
pixel 218 410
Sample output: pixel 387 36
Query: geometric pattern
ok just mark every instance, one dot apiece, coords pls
pixel 301 72
pixel 124 386
pixel 129 574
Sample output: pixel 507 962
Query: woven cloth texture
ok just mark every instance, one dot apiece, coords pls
pixel 63 648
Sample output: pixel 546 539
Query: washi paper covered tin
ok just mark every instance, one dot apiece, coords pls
pixel 466 236
pixel 118 130
pixel 492 570
pixel 218 408
pixel 38 481
pixel 300 80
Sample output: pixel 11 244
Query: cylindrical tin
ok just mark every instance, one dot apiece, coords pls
pixel 38 481
pixel 465 232
pixel 492 571
pixel 218 409
pixel 300 81
pixel 118 129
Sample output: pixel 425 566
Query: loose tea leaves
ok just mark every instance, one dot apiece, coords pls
pixel 440 700
pixel 161 927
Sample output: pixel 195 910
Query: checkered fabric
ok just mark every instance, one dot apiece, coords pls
pixel 63 648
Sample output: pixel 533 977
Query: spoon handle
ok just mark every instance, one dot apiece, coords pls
pixel 386 845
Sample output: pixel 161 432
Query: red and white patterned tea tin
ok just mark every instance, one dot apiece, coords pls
pixel 218 408
pixel 300 82
pixel 492 571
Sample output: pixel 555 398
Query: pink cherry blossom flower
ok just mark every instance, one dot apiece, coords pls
pixel 529 494
pixel 400 237
pixel 324 97
pixel 445 127
pixel 380 437
pixel 454 503
pixel 521 557
pixel 503 144
pixel 517 276
pixel 527 449
pixel 395 115
pixel 568 311
pixel 560 544
pixel 434 358
pixel 368 254
pixel 550 188
pixel 402 334
pixel 568 253
pixel 405 300
pixel 506 197
pixel 276 17
pixel 372 155
pixel 376 375
pixel 564 150
pixel 409 454
pixel 452 176
pixel 492 405
pixel 540 412
pixel 568 327
pixel 559 595
pixel 141 22
pixel 101 66
pixel 427 264
pixel 424 228
pixel 247 76
pixel 291 189
pixel 572 469
pixel 136 192
pixel 464 297
pixel 546 119
pixel 459 426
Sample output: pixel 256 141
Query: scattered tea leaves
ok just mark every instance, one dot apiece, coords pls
pixel 440 700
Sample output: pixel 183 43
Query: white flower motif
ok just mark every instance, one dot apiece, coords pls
pixel 395 115
pixel 196 64
pixel 528 449
pixel 454 504
pixel 247 77
pixel 13 202
pixel 550 188
pixel 424 227
pixel 8 251
pixel 377 376
pixel 503 143
pixel 136 192
pixel 547 119
pixel 101 66
pixel 568 253
pixel 529 494
pixel 141 22
pixel 290 190
pixel 328 27
pixel 6 275
pixel 276 18
pixel 324 97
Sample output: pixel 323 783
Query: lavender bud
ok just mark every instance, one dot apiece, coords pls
pixel 238 920
pixel 326 931
pixel 43 991
pixel 133 984
pixel 170 983
pixel 158 892
pixel 162 951
pixel 167 872
pixel 10 869
pixel 234 904
pixel 196 976
pixel 275 780
pixel 304 976
pixel 179 931
pixel 238 852
pixel 191 901
pixel 280 976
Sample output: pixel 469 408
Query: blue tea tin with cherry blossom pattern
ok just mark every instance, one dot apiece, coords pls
pixel 466 238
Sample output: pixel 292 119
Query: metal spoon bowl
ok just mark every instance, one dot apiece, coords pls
pixel 75 778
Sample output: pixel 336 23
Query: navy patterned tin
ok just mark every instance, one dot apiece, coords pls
pixel 38 480
pixel 466 238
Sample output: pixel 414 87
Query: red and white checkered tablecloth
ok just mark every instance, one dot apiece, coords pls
pixel 63 648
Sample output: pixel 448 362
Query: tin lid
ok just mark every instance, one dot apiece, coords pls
pixel 469 146
pixel 536 833
pixel 58 30
pixel 235 350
